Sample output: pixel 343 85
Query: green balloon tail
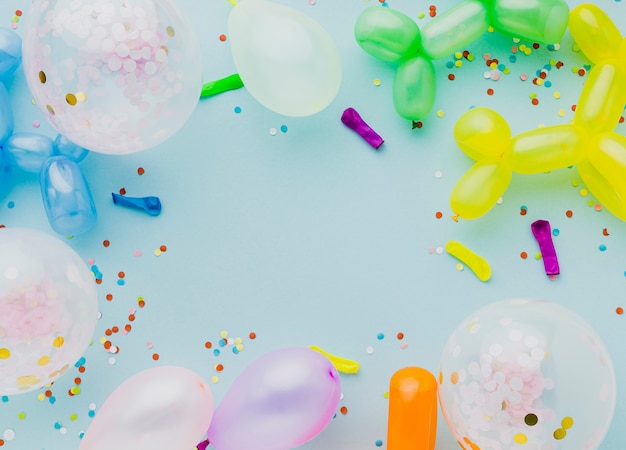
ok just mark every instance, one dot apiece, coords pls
pixel 229 83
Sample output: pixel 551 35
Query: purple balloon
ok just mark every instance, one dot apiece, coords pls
pixel 280 401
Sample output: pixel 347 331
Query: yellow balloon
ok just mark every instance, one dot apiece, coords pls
pixel 546 149
pixel 603 97
pixel 594 32
pixel 478 190
pixel 602 189
pixel 609 158
pixel 482 133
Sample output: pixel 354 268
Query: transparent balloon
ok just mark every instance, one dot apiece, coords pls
pixel 285 59
pixel 280 401
pixel 162 408
pixel 48 309
pixel 526 372
pixel 112 76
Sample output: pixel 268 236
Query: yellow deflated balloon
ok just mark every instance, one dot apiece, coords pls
pixel 478 190
pixel 482 133
pixel 594 32
pixel 546 149
pixel 603 97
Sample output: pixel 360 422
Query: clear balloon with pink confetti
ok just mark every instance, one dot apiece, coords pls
pixel 48 309
pixel 113 76
pixel 526 374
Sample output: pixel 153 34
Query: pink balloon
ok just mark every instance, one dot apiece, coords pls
pixel 164 408
pixel 279 402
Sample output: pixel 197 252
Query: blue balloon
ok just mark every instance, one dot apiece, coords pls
pixel 63 146
pixel 5 175
pixel 66 197
pixel 7 122
pixel 28 151
pixel 10 52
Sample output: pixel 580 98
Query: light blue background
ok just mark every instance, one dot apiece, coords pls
pixel 311 237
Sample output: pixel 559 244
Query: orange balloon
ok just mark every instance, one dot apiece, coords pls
pixel 412 410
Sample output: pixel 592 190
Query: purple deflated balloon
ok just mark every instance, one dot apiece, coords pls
pixel 280 401
pixel 66 197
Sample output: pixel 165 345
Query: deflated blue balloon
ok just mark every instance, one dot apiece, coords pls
pixel 7 122
pixel 27 151
pixel 66 197
pixel 63 146
pixel 10 52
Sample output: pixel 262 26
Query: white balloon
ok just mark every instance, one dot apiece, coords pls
pixel 163 408
pixel 285 59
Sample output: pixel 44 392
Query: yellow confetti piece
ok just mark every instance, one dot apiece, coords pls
pixel 215 379
pixel 556 95
pixel 559 433
pixel 561 112
pixel 376 81
pixel 27 380
pixel 5 353
pixel 58 342
pixel 224 334
pixel 343 365
pixel 44 360
pixel 567 423
pixel 520 438
pixel 458 63
pixel 583 192
pixel 476 263
pixel 440 113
